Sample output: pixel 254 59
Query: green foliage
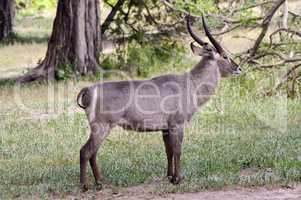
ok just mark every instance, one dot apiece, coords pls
pixel 247 18
pixel 144 59
pixel 111 2
pixel 38 4
pixel 65 71
pixel 142 16
pixel 196 6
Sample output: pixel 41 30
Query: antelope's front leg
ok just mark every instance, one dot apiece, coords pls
pixel 169 155
pixel 177 139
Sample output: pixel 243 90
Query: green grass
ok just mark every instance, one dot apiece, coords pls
pixel 39 154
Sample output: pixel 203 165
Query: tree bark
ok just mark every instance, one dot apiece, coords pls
pixel 7 14
pixel 74 44
pixel 285 15
pixel 265 25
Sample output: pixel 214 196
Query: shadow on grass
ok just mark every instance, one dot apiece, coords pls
pixel 11 81
pixel 7 81
pixel 17 38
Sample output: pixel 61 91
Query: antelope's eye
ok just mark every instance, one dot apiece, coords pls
pixel 225 57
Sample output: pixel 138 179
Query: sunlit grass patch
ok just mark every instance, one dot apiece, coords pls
pixel 16 59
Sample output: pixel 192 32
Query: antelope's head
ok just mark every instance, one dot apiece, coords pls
pixel 214 52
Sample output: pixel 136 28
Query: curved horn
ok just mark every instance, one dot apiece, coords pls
pixel 217 46
pixel 194 35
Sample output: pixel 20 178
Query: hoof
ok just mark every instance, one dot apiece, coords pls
pixel 84 188
pixel 98 185
pixel 176 180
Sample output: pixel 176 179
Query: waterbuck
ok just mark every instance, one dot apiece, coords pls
pixel 164 103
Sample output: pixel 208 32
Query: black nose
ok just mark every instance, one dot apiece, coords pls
pixel 237 71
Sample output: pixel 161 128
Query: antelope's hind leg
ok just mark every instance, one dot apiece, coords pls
pixel 97 174
pixel 89 153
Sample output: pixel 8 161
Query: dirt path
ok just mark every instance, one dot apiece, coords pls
pixel 142 193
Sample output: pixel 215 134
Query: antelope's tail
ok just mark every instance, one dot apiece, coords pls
pixel 83 98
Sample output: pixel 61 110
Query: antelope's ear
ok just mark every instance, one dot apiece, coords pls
pixel 199 51
pixel 196 50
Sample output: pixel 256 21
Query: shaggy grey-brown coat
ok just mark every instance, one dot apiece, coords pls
pixel 164 103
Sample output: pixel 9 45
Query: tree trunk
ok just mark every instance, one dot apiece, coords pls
pixel 7 14
pixel 74 44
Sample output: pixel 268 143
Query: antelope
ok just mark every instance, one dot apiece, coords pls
pixel 164 103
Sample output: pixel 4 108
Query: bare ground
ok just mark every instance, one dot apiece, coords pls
pixel 143 193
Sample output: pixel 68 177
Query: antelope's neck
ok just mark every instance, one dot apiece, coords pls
pixel 205 77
